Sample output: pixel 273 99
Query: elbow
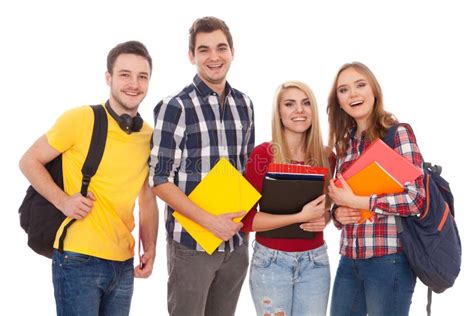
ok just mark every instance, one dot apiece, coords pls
pixel 160 189
pixel 24 163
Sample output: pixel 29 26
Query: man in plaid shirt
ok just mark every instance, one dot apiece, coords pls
pixel 207 120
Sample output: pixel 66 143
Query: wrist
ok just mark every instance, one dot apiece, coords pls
pixel 206 220
pixel 297 217
pixel 362 202
pixel 60 201
pixel 150 250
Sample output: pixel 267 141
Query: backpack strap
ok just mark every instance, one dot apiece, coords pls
pixel 389 139
pixel 94 156
pixel 428 304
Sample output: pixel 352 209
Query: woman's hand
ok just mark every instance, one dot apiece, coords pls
pixel 318 224
pixel 341 194
pixel 347 215
pixel 313 210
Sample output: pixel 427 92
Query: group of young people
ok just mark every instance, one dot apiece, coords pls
pixel 207 120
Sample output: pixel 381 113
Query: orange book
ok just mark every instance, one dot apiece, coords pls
pixel 373 179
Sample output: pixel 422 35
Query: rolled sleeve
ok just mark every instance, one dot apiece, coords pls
pixel 251 136
pixel 167 147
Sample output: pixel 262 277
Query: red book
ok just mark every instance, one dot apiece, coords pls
pixel 391 161
pixel 291 168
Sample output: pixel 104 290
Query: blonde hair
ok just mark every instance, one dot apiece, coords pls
pixel 340 123
pixel 315 154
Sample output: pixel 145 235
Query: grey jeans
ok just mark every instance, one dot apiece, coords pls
pixel 200 284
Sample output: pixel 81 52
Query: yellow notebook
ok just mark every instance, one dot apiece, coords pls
pixel 223 190
pixel 373 179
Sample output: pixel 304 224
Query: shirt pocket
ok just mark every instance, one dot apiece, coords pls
pixel 242 133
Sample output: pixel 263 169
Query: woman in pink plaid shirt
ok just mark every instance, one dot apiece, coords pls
pixel 373 276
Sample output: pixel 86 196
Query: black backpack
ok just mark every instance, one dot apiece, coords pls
pixel 38 217
pixel 431 240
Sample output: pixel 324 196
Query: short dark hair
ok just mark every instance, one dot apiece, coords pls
pixel 130 47
pixel 208 24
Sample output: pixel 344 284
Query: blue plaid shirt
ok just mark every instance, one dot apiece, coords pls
pixel 192 132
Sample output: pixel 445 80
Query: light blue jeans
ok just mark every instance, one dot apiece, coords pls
pixel 90 286
pixel 378 286
pixel 293 283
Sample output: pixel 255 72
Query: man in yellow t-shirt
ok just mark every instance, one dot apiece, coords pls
pixel 94 275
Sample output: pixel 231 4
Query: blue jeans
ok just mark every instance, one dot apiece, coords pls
pixel 379 286
pixel 86 285
pixel 293 283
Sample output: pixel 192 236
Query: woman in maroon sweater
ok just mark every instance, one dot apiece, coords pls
pixel 290 275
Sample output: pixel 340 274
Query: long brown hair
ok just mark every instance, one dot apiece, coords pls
pixel 340 123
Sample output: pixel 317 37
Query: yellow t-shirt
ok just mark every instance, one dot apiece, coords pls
pixel 106 231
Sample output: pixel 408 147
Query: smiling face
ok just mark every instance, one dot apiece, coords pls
pixel 355 95
pixel 128 83
pixel 212 56
pixel 295 111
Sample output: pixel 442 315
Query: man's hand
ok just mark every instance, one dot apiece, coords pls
pixel 77 206
pixel 223 225
pixel 145 267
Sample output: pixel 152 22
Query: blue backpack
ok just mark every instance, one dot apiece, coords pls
pixel 431 240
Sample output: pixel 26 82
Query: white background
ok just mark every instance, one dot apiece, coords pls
pixel 53 58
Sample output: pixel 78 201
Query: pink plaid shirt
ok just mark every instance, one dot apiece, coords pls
pixel 379 237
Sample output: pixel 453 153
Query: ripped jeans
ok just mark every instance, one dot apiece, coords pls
pixel 289 283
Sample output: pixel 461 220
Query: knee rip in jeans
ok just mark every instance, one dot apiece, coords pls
pixel 266 301
pixel 280 313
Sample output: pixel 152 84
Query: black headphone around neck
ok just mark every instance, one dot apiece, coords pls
pixel 127 123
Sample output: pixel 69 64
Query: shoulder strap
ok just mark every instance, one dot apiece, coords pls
pixel 94 156
pixel 389 138
pixel 96 147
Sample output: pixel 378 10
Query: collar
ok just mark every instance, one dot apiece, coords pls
pixel 204 90
pixel 352 133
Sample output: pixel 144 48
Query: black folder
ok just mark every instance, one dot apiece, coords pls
pixel 288 196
